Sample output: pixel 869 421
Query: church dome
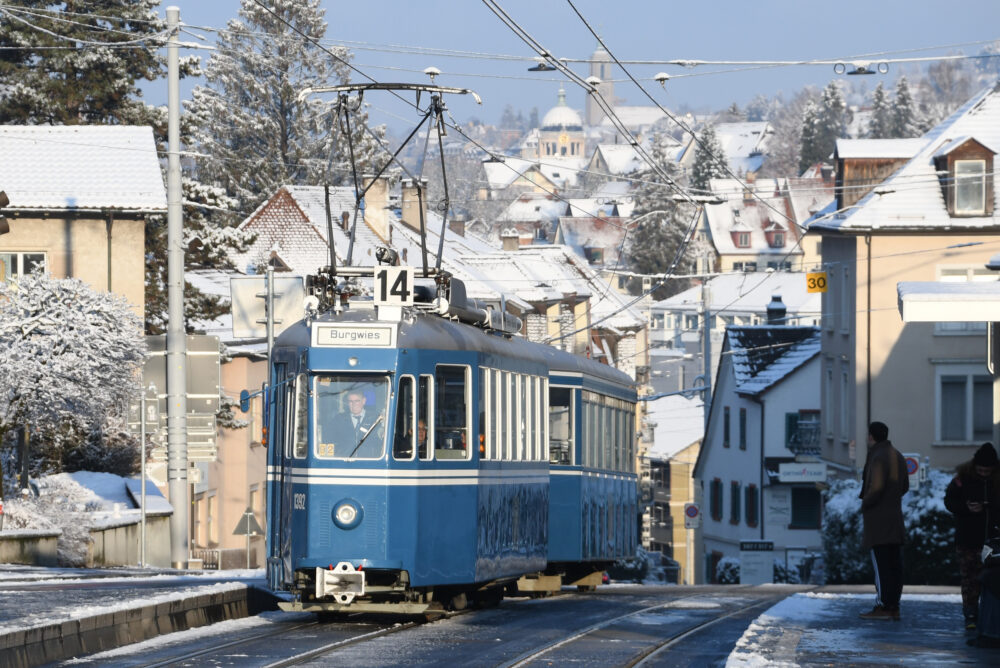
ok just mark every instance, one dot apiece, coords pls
pixel 561 116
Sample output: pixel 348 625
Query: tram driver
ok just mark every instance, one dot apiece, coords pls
pixel 357 431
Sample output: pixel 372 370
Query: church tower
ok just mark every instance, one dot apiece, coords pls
pixel 600 67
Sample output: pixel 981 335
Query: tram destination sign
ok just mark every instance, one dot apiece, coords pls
pixel 340 336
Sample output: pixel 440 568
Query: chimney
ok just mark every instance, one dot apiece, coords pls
pixel 776 311
pixel 377 206
pixel 457 225
pixel 345 221
pixel 511 239
pixel 410 212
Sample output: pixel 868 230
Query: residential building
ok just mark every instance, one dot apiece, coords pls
pixel 764 414
pixel 79 198
pixel 744 144
pixel 903 219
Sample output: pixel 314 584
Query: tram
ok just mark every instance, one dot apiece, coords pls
pixel 423 457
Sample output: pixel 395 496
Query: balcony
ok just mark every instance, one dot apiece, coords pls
pixel 804 439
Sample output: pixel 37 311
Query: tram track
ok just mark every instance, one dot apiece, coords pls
pixel 648 653
pixel 227 645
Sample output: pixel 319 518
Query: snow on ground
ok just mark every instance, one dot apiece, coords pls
pixel 810 629
pixel 231 628
pixel 82 611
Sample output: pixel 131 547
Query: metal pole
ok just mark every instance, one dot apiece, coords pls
pixel 248 541
pixel 176 372
pixel 706 300
pixel 270 313
pixel 142 479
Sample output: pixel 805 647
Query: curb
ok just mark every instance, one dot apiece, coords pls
pixel 75 637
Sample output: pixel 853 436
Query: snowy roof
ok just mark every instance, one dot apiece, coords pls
pixel 81 167
pixel 292 223
pixel 620 158
pixel 918 204
pixel 678 422
pixel 944 301
pixel 762 355
pixel 743 143
pixel 955 143
pixel 878 148
pixel 584 232
pixel 752 215
pixel 501 173
pixel 748 293
pixel 532 207
pixel 807 196
pixel 635 117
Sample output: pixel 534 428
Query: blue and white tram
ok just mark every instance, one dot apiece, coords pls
pixel 439 489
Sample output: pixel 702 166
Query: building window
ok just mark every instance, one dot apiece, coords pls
pixel 19 264
pixel 749 266
pixel 743 240
pixel 725 427
pixel 828 399
pixel 715 499
pixel 743 429
pixel 846 316
pixel 964 404
pixel 802 432
pixel 970 187
pixel 751 505
pixel 845 393
pixel 734 502
pixel 963 275
pixel 778 240
pixel 807 506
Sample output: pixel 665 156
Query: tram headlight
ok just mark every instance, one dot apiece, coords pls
pixel 347 514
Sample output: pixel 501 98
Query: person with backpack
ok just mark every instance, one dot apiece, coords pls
pixel 972 497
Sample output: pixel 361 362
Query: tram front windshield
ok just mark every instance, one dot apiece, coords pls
pixel 350 416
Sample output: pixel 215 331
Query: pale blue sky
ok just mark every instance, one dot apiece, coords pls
pixel 633 30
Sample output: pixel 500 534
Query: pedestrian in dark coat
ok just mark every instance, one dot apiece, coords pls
pixel 884 482
pixel 972 496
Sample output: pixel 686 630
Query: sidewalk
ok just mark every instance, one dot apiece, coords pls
pixel 823 628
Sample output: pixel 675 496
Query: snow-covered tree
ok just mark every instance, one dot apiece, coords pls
pixel 58 69
pixel 709 159
pixel 784 150
pixel 68 354
pixel 880 125
pixel 762 108
pixel 653 245
pixel 811 151
pixel 904 113
pixel 254 131
pixel 947 85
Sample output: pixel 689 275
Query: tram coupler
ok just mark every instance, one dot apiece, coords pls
pixel 342 582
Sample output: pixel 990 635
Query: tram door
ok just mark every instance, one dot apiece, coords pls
pixel 283 438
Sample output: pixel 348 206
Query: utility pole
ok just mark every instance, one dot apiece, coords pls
pixel 706 320
pixel 176 363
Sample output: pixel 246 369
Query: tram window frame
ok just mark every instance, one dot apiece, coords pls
pixel 480 444
pixel 594 435
pixel 543 423
pixel 412 430
pixel 522 419
pixel 495 447
pixel 425 410
pixel 565 396
pixel 300 433
pixel 442 384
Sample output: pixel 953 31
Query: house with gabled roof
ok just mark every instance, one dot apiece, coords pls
pixel 759 461
pixel 79 198
pixel 744 144
pixel 920 214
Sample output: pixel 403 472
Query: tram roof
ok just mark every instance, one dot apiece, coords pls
pixel 429 331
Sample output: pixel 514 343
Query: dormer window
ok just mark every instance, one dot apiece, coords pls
pixel 965 167
pixel 778 240
pixel 970 187
pixel 743 240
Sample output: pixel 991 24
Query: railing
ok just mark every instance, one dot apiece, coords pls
pixel 805 440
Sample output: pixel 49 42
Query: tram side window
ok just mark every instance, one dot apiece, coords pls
pixel 484 394
pixel 405 432
pixel 452 409
pixel 301 445
pixel 510 438
pixel 592 435
pixel 496 445
pixel 425 406
pixel 522 419
pixel 560 426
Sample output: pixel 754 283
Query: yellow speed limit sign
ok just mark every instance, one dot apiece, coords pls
pixel 816 281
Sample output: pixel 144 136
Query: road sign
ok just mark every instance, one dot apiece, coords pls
pixel 692 516
pixel 816 281
pixel 756 562
pixel 248 525
pixel 913 468
pixel 249 296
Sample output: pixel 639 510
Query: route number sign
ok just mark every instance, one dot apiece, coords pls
pixel 816 281
pixel 394 286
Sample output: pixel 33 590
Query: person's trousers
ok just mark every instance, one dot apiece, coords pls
pixel 888 563
pixel 970 565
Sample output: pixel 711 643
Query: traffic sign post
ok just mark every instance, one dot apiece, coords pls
pixel 913 468
pixel 692 516
pixel 248 526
